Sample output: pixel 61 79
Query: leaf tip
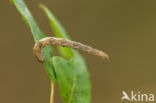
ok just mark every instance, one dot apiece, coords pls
pixel 42 6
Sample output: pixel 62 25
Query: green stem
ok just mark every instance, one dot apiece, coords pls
pixel 52 93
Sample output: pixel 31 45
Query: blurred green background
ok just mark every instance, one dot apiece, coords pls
pixel 125 29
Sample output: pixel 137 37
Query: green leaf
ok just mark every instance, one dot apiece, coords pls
pixel 72 76
pixel 73 81
pixel 59 31
pixel 37 35
pixel 56 25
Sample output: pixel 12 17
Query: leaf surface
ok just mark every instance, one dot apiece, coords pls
pixel 73 81
pixel 37 35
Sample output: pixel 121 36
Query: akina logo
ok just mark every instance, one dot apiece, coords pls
pixel 137 97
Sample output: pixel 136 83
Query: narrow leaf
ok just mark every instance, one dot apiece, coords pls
pixel 37 35
pixel 59 31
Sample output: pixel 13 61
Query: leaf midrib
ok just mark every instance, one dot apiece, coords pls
pixel 72 90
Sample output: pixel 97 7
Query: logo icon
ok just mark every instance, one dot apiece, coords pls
pixel 125 96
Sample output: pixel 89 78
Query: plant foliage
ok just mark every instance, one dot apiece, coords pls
pixel 71 73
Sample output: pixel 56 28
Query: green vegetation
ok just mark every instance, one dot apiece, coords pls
pixel 71 74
